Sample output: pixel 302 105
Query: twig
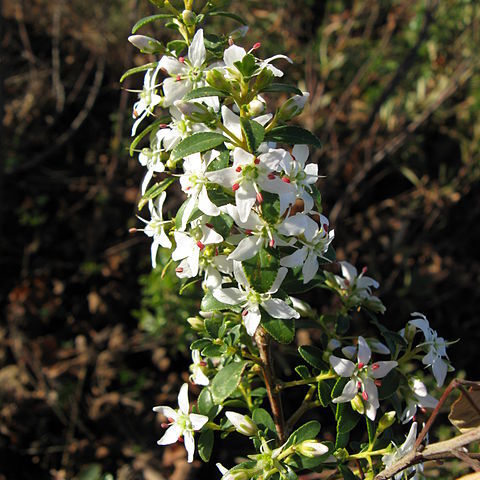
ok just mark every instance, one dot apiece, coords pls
pixel 56 77
pixel 436 451
pixel 263 342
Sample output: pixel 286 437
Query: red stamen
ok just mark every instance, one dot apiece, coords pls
pixel 259 197
pixel 347 282
pixel 235 187
pixel 359 384
pixel 202 363
pixel 248 232
pixel 325 227
pixel 180 439
pixel 164 425
pixel 238 169
pixel 170 419
pixel 209 225
pixel 361 364
pixel 200 245
pixel 244 313
pixel 179 269
pixel 364 270
pixel 178 78
pixel 285 179
pixel 256 46
pixel 163 125
pixel 365 395
pixel 271 176
pixel 135 114
pixel 132 230
pixel 423 410
pixel 378 382
pixel 375 366
pixel 271 243
pixel 256 161
pixel 181 59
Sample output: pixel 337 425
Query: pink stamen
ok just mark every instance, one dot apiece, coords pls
pixel 423 410
pixel 238 169
pixel 325 227
pixel 361 364
pixel 180 439
pixel 347 282
pixel 364 270
pixel 244 313
pixel 377 382
pixel 359 384
pixel 181 59
pixel 163 125
pixel 200 245
pixel 375 366
pixel 259 197
pixel 365 396
pixel 286 180
pixel 235 187
pixel 271 243
pixel 135 114
pixel 164 425
pixel 179 269
pixel 248 232
pixel 178 78
pixel 202 363
pixel 209 225
pixel 256 161
pixel 271 176
pixel 132 230
pixel 170 419
pixel 256 46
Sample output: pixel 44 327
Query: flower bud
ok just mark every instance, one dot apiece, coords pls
pixel 216 80
pixel 196 323
pixel 189 17
pixel 303 308
pixel 357 404
pixel 243 423
pixel 292 107
pixel 239 32
pixel 194 111
pixel 409 332
pixel 146 44
pixel 264 79
pixel 312 448
pixel 256 108
pixel 386 421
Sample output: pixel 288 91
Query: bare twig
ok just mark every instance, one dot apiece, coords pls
pixel 263 342
pixel 58 87
pixel 435 451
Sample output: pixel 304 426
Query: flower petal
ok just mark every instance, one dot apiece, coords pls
pixel 349 392
pixel 277 308
pixel 183 399
pixel 229 296
pixel 342 366
pixel 198 421
pixel 196 51
pixel 167 412
pixel 382 368
pixel 252 319
pixel 189 443
pixel 364 352
pixel 171 435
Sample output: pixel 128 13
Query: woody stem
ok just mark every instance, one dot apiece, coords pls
pixel 263 342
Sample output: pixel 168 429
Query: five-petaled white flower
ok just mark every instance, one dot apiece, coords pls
pixel 418 397
pixel 436 348
pixel 363 376
pixel 186 72
pixel 149 99
pixel 155 227
pixel 198 376
pixel 400 452
pixel 182 423
pixel 251 301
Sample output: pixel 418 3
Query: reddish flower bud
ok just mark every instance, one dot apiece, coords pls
pixel 244 313
pixel 132 230
pixel 179 77
pixel 248 232
pixel 256 46
pixel 235 187
pixel 375 366
pixel 200 245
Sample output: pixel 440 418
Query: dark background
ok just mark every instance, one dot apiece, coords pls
pixel 86 349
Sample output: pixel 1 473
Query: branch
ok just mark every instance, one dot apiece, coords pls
pixel 436 451
pixel 263 343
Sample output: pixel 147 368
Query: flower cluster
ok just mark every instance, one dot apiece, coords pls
pixel 252 231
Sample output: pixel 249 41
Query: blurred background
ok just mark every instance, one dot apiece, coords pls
pixel 90 337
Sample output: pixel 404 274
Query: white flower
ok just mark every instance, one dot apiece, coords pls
pixel 149 99
pixel 189 248
pixel 193 183
pixel 312 448
pixel 151 158
pixel 186 72
pixel 251 301
pixel 362 376
pixel 198 377
pixel 232 474
pixel 315 240
pixel 400 452
pixel 419 397
pixel 243 423
pixel 182 423
pixel 155 227
pixel 435 347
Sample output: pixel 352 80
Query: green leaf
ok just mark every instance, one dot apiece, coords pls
pixel 213 324
pixel 151 18
pixel 282 330
pixel 342 440
pixel 218 195
pixel 292 135
pixel 342 324
pixel 313 356
pixel 205 404
pixel 324 393
pixel 346 418
pixel 198 142
pixel 303 371
pixel 154 191
pixel 222 224
pixel 307 431
pixel 254 133
pixel 370 430
pixel 179 217
pixel 220 162
pixel 214 43
pixel 203 92
pixel 200 343
pixel 134 70
pixel 227 380
pixel 271 208
pixel 281 87
pixel 261 270
pixel 389 385
pixel 205 445
pixel 247 66
pixel 263 419
pixel 288 474
pixel 177 46
pixel 233 16
pixel 213 350
pixel 211 304
pixel 339 386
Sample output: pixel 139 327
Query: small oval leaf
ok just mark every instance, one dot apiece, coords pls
pixel 227 380
pixel 198 142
